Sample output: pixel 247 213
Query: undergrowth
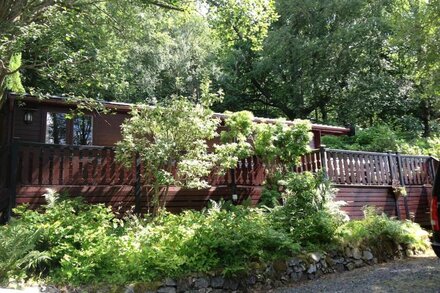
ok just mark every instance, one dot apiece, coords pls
pixel 71 242
pixel 376 229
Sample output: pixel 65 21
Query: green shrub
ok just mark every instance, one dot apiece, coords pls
pixel 337 142
pixel 270 197
pixel 80 243
pixel 382 139
pixel 308 213
pixel 421 146
pixel 18 254
pixel 377 229
pixel 78 240
pixel 217 239
pixel 76 243
pixel 234 238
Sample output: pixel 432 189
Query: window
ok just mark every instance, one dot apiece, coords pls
pixel 56 128
pixel 82 130
pixel 60 130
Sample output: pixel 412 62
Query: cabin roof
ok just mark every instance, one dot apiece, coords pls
pixel 126 107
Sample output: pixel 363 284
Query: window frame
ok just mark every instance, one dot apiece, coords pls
pixel 69 126
pixel 91 127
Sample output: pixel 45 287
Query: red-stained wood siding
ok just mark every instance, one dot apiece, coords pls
pixel 121 198
pixel 92 172
pixel 107 128
pixel 28 132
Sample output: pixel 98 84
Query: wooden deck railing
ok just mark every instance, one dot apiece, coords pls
pixel 45 164
pixel 370 168
pixel 36 164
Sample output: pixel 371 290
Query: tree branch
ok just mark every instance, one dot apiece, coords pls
pixel 165 5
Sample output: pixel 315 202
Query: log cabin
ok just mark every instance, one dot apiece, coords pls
pixel 41 148
pixel 27 118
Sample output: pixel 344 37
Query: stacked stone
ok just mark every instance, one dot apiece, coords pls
pixel 263 277
pixel 281 273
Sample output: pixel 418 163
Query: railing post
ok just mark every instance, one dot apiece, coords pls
pixel 390 166
pixel 233 186
pixel 323 155
pixel 14 148
pixel 402 183
pixel 396 200
pixel 138 186
pixel 432 167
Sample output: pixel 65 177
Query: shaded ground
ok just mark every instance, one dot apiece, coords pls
pixel 417 274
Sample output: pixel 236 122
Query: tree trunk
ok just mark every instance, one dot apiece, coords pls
pixel 425 117
pixel 324 114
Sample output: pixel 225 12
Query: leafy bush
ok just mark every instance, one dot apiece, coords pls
pixel 308 213
pixel 73 241
pixel 421 146
pixel 382 139
pixel 172 134
pixel 336 142
pixel 18 254
pixel 377 230
pixel 379 138
pixel 78 243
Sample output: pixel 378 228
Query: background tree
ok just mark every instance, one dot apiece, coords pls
pixel 47 32
pixel 417 39
pixel 356 62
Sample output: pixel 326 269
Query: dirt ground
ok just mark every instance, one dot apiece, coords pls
pixel 416 274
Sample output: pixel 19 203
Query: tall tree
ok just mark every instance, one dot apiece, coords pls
pixel 316 54
pixel 417 39
pixel 26 24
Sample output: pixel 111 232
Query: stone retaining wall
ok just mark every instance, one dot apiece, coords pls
pixel 281 273
pixel 263 277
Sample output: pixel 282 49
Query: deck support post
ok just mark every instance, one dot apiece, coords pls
pixel 402 183
pixel 14 148
pixel 392 177
pixel 138 187
pixel 323 155
pixel 432 167
pixel 233 186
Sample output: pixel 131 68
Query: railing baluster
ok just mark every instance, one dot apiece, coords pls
pixel 56 168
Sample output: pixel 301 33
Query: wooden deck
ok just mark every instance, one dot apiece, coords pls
pixel 362 178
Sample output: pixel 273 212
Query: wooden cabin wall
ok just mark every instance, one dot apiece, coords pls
pixel 27 132
pixel 106 127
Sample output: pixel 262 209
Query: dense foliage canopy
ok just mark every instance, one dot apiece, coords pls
pixel 360 62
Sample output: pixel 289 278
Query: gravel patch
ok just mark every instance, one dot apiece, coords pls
pixel 415 274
